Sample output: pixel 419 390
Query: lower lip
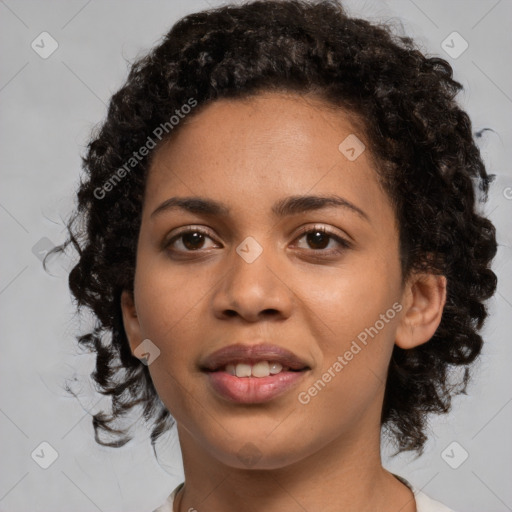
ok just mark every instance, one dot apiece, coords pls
pixel 253 390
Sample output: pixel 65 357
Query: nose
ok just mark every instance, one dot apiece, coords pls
pixel 253 290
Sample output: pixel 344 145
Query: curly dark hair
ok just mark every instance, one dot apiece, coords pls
pixel 419 137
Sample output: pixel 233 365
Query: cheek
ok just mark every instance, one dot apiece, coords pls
pixel 352 297
pixel 164 298
pixel 166 303
pixel 165 306
pixel 355 346
pixel 353 315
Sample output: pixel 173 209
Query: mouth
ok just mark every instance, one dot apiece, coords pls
pixel 257 369
pixel 253 374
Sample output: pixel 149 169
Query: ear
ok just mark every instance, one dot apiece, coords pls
pixel 424 300
pixel 130 320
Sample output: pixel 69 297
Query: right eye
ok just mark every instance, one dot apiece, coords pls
pixel 188 240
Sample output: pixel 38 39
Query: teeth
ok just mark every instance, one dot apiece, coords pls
pixel 259 369
pixel 275 368
pixel 243 370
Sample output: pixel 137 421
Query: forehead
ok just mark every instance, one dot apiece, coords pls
pixel 256 150
pixel 270 120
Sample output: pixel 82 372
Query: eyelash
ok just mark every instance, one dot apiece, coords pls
pixel 304 231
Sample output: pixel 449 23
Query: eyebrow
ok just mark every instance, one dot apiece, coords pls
pixel 282 208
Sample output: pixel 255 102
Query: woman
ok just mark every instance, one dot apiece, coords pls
pixel 278 237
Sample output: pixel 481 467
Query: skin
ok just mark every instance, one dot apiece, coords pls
pixel 249 154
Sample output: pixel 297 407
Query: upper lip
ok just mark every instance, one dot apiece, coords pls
pixel 242 353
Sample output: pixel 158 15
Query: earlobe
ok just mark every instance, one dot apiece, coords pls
pixel 424 300
pixel 130 319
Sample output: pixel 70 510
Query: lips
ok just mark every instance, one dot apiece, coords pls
pixel 246 387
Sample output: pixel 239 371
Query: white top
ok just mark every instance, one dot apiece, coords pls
pixel 423 502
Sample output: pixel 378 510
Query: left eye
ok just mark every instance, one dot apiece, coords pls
pixel 319 239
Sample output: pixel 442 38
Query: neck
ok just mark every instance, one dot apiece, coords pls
pixel 344 475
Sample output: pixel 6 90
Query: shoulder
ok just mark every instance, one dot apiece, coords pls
pixel 426 504
pixel 423 502
pixel 167 506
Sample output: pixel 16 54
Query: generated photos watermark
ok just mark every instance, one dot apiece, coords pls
pixel 305 397
pixel 158 133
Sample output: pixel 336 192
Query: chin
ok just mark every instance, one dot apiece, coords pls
pixel 251 457
pixel 258 451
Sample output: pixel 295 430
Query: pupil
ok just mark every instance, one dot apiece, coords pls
pixel 315 240
pixel 193 240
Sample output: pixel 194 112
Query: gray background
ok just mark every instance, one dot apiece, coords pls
pixel 48 109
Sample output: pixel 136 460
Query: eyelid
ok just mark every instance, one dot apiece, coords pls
pixel 328 231
pixel 168 240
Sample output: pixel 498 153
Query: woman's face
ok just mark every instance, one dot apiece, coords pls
pixel 256 271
